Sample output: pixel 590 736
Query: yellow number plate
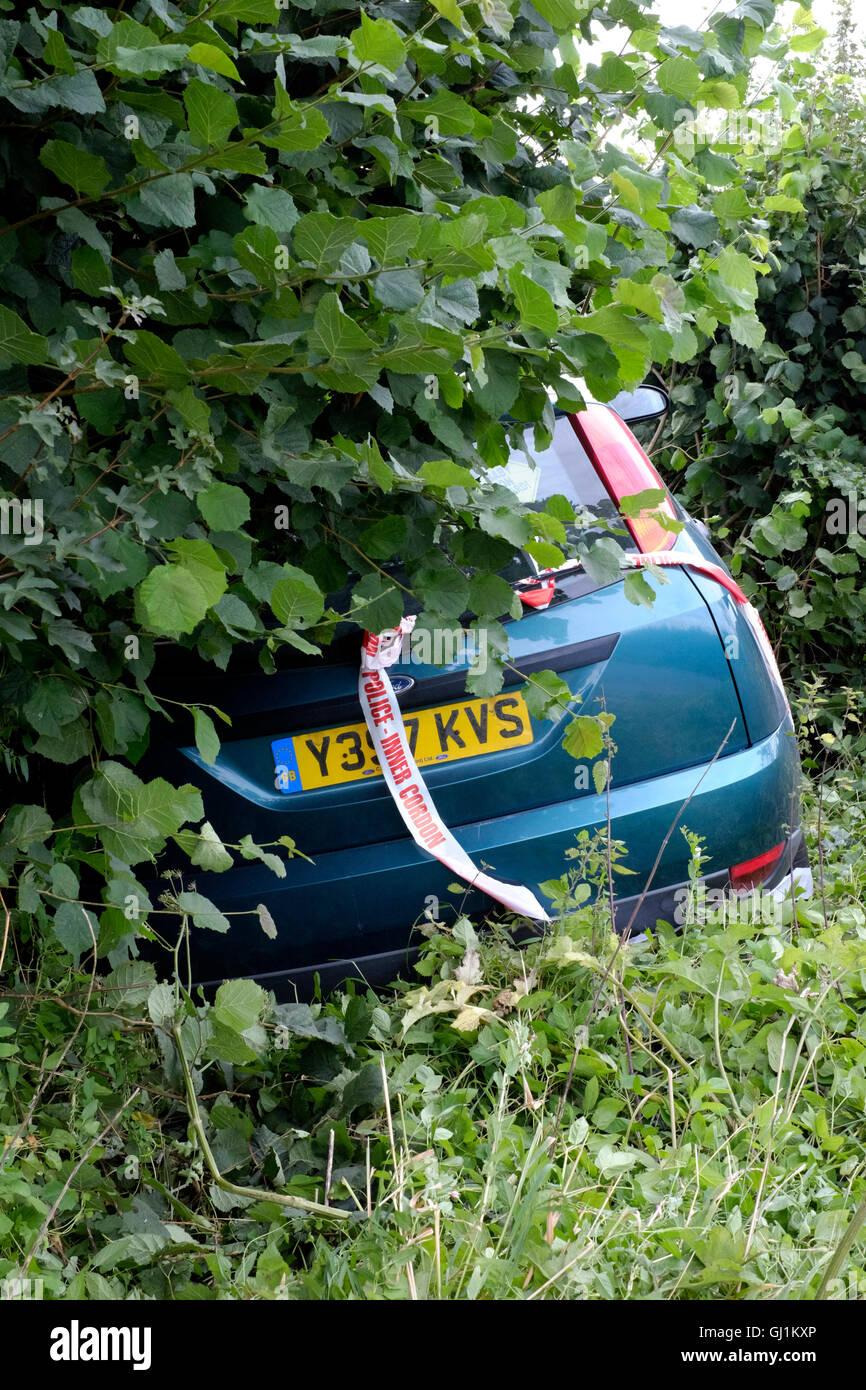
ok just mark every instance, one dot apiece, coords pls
pixel 445 734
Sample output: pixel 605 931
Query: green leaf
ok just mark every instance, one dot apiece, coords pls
pixel 167 202
pixel 161 1005
pixel 491 596
pixel 780 202
pixel 562 15
pixel 378 41
pixel 205 848
pixel 207 55
pixel 303 128
pixel 806 43
pixel 212 113
pixel 257 250
pixel 154 358
pixel 272 207
pixel 732 205
pixel 376 604
pixel 444 473
pixel 227 1046
pixel 802 323
pixel 638 590
pixel 135 818
pixel 534 304
pixel 390 239
pixel 738 271
pixel 18 343
pixel 694 225
pixel 224 506
pixel 444 114
pixel 174 598
pixel 203 913
pixel 748 329
pixel 70 925
pixel 169 276
pixel 680 76
pixel 321 238
pixel 614 75
pixel 250 850
pixel 206 737
pixel 450 10
pixel 335 335
pixel 268 925
pixel 25 826
pixel 296 599
pixel 723 95
pixel 547 695
pixel 194 412
pixel 546 555
pixel 130 983
pixel 442 588
pixel 384 538
pixel 583 737
pixel 130 49
pixel 603 560
pixel 239 1004
pixel 86 173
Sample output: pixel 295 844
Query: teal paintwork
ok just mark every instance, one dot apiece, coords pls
pixel 697 715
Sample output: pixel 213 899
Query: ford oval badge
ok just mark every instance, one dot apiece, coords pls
pixel 399 684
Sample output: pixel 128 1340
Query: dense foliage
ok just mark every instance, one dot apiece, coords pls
pixel 355 243
pixel 768 436
pixel 682 1120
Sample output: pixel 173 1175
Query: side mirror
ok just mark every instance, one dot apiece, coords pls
pixel 646 403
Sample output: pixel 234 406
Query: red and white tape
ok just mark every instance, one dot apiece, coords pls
pixel 404 781
pixel 538 593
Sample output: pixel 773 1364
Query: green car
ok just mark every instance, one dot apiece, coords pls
pixel 703 735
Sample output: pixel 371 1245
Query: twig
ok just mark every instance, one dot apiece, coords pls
pixel 7 917
pixel 388 1109
pixel 330 1167
pixel 40 1089
pixel 258 1194
pixel 37 1241
pixel 674 823
pixel 842 1250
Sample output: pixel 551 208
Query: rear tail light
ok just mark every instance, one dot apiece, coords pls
pixel 752 872
pixel 625 469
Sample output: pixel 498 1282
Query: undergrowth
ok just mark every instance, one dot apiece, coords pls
pixel 678 1118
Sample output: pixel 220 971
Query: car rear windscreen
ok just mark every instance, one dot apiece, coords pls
pixel 563 468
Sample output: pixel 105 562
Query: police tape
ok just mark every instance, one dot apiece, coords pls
pixel 384 721
pixel 538 593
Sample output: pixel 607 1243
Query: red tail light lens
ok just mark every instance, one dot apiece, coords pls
pixel 624 469
pixel 752 872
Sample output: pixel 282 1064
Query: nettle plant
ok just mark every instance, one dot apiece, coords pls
pixel 274 274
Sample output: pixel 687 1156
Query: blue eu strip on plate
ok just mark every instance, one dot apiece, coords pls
pixel 288 777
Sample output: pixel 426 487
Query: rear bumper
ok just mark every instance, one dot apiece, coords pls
pixel 660 904
pixel 356 904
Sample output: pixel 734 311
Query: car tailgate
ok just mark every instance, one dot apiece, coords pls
pixel 660 670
